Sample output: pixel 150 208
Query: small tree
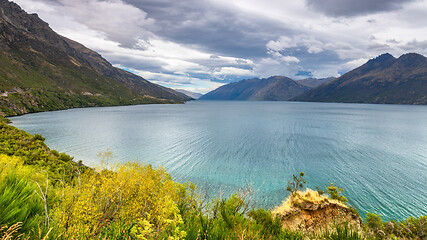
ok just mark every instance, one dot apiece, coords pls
pixel 297 183
pixel 336 193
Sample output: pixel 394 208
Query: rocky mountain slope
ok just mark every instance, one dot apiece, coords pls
pixel 277 88
pixel 314 82
pixel 384 79
pixel 42 70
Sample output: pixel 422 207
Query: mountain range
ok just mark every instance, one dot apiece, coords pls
pixel 42 70
pixel 189 93
pixel 276 88
pixel 384 79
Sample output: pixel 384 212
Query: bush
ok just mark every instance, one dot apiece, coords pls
pixel 134 199
pixel 336 193
pixel 4 120
pixel 269 225
pixel 55 153
pixel 65 157
pixel 33 151
pixel 38 137
pixel 374 221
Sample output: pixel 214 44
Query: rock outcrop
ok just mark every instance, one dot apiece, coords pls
pixel 312 213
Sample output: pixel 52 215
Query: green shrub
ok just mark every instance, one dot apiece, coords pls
pixel 374 221
pixel 33 150
pixel 269 225
pixel 55 153
pixel 65 157
pixel 336 193
pixel 38 137
pixel 4 120
pixel 412 228
pixel 415 227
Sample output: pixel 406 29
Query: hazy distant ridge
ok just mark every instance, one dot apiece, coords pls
pixel 189 93
pixel 277 88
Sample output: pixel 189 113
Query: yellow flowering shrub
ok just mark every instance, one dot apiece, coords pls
pixel 16 165
pixel 136 199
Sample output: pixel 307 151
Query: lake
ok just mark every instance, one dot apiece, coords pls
pixel 377 153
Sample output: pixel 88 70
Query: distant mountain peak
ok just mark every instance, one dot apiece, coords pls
pixel 381 62
pixel 382 58
pixel 411 60
pixel 383 79
pixel 412 57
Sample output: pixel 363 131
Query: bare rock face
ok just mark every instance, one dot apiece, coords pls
pixel 311 213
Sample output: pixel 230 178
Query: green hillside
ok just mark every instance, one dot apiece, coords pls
pixel 41 70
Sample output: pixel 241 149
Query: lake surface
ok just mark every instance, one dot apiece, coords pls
pixel 377 153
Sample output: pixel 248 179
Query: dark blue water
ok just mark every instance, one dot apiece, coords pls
pixel 377 153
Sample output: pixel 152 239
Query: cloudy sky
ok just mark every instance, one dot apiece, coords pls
pixel 199 45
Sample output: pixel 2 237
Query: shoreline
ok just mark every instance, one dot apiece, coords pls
pixel 38 140
pixel 130 153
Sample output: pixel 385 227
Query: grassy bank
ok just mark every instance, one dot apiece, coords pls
pixel 45 194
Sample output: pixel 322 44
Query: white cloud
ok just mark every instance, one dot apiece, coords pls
pixel 311 44
pixel 179 81
pixel 267 67
pixel 281 44
pixel 297 37
pixel 290 59
pixel 314 49
pixel 232 71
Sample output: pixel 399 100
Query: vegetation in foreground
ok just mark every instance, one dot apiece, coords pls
pixel 46 195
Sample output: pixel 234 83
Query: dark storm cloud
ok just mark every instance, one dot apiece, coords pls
pixel 211 27
pixel 204 43
pixel 355 7
pixel 415 45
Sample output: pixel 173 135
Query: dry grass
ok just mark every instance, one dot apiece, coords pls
pixel 8 233
pixel 308 196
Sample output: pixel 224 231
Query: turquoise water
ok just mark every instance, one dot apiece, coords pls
pixel 377 153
